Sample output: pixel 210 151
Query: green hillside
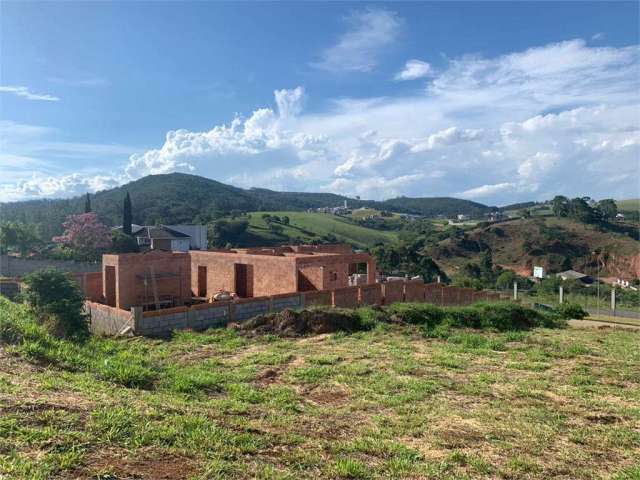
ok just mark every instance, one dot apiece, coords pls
pixel 308 227
pixel 630 205
pixel 181 198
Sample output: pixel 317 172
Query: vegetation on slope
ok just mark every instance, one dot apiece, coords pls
pixel 395 401
pixel 269 228
pixel 554 243
pixel 181 198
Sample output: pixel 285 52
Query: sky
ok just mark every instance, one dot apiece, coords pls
pixel 496 102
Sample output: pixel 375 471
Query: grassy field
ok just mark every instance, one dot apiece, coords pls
pixel 312 226
pixel 384 403
pixel 631 205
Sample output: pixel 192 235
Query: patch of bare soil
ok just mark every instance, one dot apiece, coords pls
pixel 290 323
pixel 141 465
pixel 334 395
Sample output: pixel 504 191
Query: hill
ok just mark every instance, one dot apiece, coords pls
pixel 181 198
pixel 307 227
pixel 630 205
pixel 554 243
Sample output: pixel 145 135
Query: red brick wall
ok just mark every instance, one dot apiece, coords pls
pixel 91 284
pixel 268 275
pixel 393 292
pixel 450 296
pixel 370 294
pixel 414 291
pixel 345 297
pixel 172 271
pixel 433 293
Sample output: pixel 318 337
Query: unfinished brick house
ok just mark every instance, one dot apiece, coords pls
pixel 159 279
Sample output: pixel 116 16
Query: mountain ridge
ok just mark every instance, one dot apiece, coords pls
pixel 185 198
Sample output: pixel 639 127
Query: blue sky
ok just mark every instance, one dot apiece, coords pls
pixel 496 102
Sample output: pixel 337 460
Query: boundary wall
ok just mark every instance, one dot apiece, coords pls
pixel 113 321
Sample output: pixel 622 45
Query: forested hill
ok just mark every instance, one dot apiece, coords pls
pixel 182 198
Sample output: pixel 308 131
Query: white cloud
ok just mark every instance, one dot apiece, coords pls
pixel 556 119
pixel 358 49
pixel 487 190
pixel 26 93
pixel 598 36
pixel 413 70
pixel 290 102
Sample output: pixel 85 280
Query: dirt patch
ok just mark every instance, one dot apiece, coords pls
pixel 290 323
pixel 122 465
pixel 327 396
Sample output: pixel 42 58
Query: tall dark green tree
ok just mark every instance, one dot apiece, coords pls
pixel 126 215
pixel 87 204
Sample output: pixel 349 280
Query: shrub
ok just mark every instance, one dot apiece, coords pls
pixel 570 311
pixel 57 302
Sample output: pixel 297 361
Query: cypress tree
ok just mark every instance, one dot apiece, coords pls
pixel 87 204
pixel 126 215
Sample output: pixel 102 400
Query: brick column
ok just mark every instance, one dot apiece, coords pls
pixel 371 271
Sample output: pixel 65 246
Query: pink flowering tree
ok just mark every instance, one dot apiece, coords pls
pixel 85 235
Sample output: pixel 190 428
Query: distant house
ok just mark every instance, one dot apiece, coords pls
pixel 573 275
pixel 620 217
pixel 462 217
pixel 179 238
pixel 494 216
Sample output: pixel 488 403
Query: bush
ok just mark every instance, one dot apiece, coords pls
pixel 501 316
pixel 57 302
pixel 570 311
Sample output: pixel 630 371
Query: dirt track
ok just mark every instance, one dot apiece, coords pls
pixel 599 324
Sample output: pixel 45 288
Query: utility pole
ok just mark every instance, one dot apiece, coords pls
pixel 515 291
pixel 613 301
pixel 561 291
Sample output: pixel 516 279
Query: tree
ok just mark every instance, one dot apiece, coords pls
pixel 85 235
pixel 285 220
pixel 57 302
pixel 127 218
pixel 506 279
pixel 560 206
pixel 21 236
pixel 580 210
pixel 87 204
pixel 122 243
pixel 225 232
pixel 608 208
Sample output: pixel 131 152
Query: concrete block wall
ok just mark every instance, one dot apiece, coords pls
pixel 281 302
pixel 106 320
pixel 414 291
pixel 393 292
pixel 110 320
pixel 244 309
pixel 19 267
pixel 317 298
pixel 346 297
pixel 370 294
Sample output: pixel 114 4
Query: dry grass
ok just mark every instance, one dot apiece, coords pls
pixel 387 403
